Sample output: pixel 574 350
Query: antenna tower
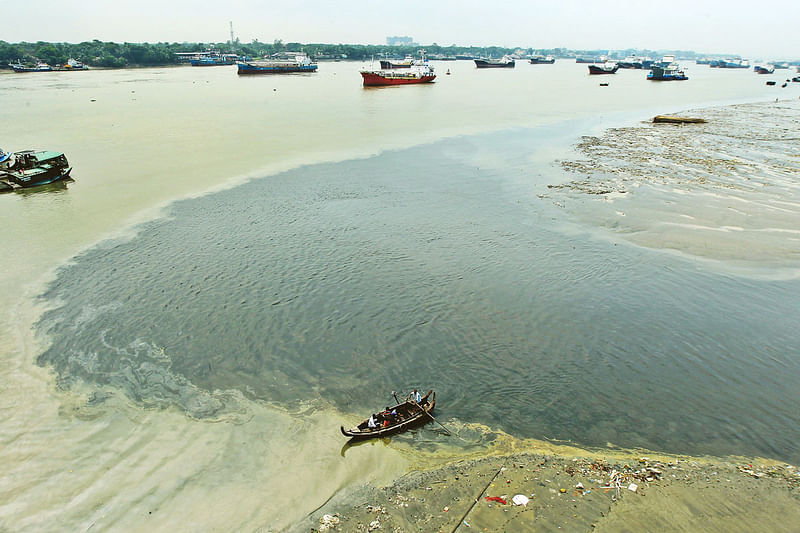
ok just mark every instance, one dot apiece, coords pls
pixel 231 25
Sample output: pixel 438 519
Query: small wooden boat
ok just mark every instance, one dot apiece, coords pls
pixel 409 413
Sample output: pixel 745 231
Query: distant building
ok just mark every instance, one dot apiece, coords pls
pixel 400 41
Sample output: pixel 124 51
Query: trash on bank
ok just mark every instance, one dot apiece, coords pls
pixel 520 499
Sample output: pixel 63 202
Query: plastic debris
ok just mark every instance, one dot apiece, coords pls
pixel 327 522
pixel 497 499
pixel 520 499
pixel 632 487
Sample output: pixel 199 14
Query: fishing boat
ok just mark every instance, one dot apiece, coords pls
pixel 609 67
pixel 409 414
pixel 671 72
pixel 389 64
pixel 542 60
pixel 287 62
pixel 30 168
pixel 764 70
pixel 419 72
pixel 503 62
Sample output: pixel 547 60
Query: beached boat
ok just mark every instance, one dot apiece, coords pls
pixel 503 62
pixel 671 72
pixel 419 72
pixel 278 64
pixel 542 60
pixel 409 414
pixel 30 168
pixel 609 67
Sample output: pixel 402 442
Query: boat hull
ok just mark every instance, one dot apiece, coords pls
pixel 419 417
pixel 374 79
pixel 32 69
pixel 480 63
pixel 668 77
pixel 210 62
pixel 36 177
pixel 594 69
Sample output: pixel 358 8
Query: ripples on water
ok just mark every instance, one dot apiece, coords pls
pixel 432 267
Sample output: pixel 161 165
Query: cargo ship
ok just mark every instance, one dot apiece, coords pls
pixel 278 64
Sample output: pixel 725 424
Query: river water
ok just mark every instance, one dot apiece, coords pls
pixel 242 265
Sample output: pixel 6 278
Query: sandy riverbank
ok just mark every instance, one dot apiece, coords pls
pixel 593 492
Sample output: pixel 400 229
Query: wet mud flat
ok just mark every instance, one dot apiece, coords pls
pixel 542 492
pixel 725 189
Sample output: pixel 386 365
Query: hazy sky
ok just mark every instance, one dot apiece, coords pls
pixel 763 29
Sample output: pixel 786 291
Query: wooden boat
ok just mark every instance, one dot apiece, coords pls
pixel 409 414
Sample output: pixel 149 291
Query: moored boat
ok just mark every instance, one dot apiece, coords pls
pixel 73 64
pixel 503 62
pixel 609 67
pixel 406 415
pixel 542 60
pixel 631 61
pixel 730 63
pixel 419 72
pixel 30 168
pixel 671 72
pixel 763 70
pixel 278 64
pixel 40 66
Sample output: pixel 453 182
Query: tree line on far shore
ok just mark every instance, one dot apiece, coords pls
pixel 119 55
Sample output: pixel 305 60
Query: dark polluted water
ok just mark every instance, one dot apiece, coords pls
pixel 436 266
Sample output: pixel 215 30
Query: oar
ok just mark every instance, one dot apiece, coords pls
pixel 424 411
pixel 431 416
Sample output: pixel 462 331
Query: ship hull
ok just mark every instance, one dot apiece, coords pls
pixel 594 69
pixel 372 79
pixel 244 69
pixel 486 64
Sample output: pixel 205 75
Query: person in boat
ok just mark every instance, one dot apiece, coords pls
pixel 371 423
pixel 415 396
